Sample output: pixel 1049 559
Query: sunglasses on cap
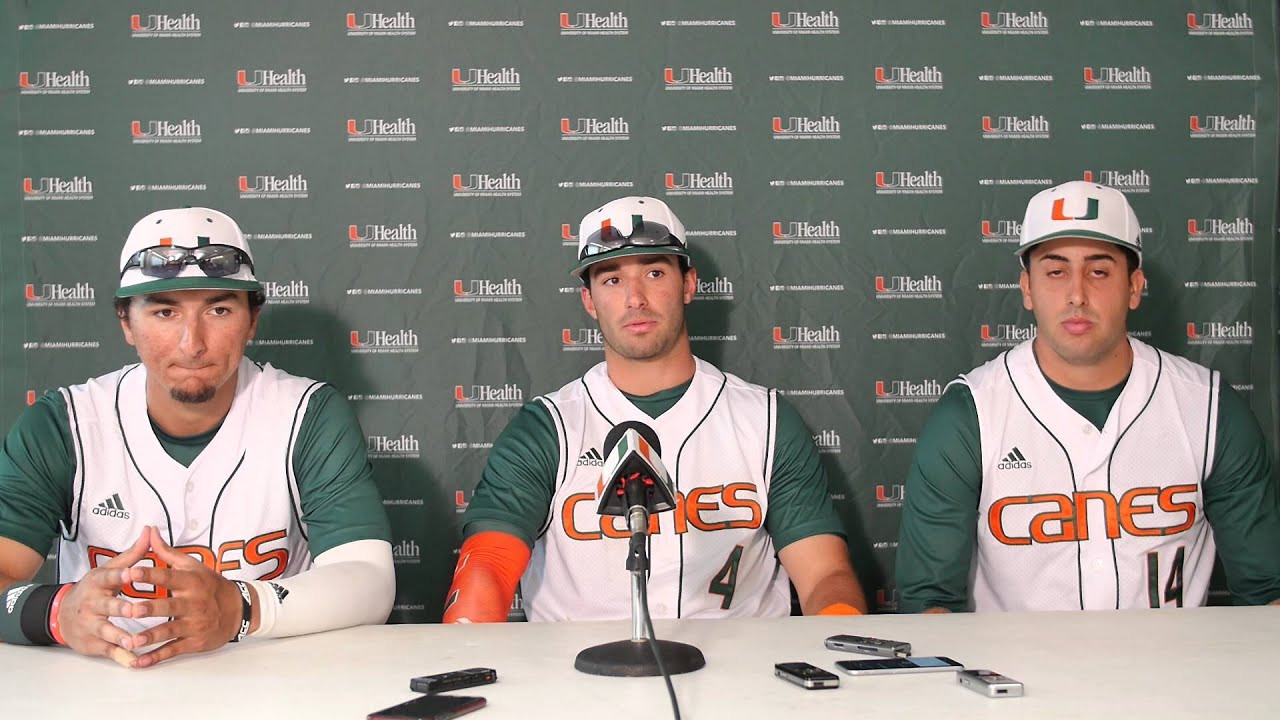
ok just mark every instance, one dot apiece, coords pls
pixel 644 233
pixel 168 261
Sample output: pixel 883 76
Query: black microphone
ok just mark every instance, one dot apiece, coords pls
pixel 633 476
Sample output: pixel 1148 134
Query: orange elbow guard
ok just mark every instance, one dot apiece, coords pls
pixel 839 609
pixel 489 568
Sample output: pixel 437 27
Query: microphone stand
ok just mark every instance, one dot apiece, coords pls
pixel 643 655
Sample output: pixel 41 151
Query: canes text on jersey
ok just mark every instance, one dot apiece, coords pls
pixel 1139 512
pixel 718 507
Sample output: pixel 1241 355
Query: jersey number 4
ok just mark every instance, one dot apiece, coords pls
pixel 1172 586
pixel 725 581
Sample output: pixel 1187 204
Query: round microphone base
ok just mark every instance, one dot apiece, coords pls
pixel 634 658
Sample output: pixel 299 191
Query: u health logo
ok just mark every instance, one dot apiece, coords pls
pixel 78 187
pixel 186 25
pixel 1219 333
pixel 888 496
pixel 827 441
pixel 1000 231
pixel 826 127
pixel 472 185
pixel 488 396
pixel 485 80
pixel 597 24
pixel 1005 335
pixel 386 446
pixel 272 187
pixel 375 24
pixel 897 392
pixel 902 182
pixel 49 82
pixel 1117 78
pixel 1010 127
pixel 801 232
pixel 587 128
pixel 803 337
pixel 378 130
pixel 291 80
pixel 928 77
pixel 384 341
pixel 1223 126
pixel 1126 181
pixel 1013 23
pixel 696 78
pixel 1219 24
pixel 692 183
pixel 581 339
pixel 1238 229
pixel 165 132
pixel 505 290
pixel 905 287
pixel 42 295
pixel 804 23
pixel 380 235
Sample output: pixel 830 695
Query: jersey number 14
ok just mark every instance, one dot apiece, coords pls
pixel 1172 586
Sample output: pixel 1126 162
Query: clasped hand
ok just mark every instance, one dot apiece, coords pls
pixel 204 608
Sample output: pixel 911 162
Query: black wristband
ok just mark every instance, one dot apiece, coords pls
pixel 246 612
pixel 25 616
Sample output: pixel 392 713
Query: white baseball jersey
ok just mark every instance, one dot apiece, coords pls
pixel 1071 517
pixel 236 508
pixel 712 556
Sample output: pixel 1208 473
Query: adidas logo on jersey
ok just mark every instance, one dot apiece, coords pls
pixel 1015 460
pixel 11 597
pixel 591 458
pixel 112 507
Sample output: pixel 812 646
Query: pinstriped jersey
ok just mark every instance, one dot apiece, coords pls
pixel 1073 517
pixel 235 508
pixel 711 556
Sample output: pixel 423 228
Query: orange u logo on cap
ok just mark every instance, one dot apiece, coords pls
pixel 1091 210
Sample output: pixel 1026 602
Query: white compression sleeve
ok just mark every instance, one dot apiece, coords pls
pixel 351 584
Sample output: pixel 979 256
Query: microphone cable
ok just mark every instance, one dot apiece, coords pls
pixel 653 645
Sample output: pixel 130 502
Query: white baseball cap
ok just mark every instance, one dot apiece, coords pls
pixel 1080 209
pixel 629 226
pixel 191 248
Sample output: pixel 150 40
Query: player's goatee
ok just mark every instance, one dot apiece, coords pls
pixel 203 395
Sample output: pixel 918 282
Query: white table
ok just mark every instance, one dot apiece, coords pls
pixel 1167 664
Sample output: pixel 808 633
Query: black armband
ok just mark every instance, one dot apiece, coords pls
pixel 246 611
pixel 24 619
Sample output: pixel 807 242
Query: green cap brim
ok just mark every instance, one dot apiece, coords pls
pixel 188 283
pixel 582 265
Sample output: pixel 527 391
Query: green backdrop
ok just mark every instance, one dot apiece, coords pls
pixel 852 176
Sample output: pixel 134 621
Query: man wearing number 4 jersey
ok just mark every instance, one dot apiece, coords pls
pixel 1085 469
pixel 753 507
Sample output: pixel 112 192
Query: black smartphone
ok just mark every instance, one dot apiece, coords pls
pixel 456 680
pixel 430 707
pixel 893 666
pixel 809 677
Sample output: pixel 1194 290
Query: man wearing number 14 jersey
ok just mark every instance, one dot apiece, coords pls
pixel 1089 469
pixel 752 505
